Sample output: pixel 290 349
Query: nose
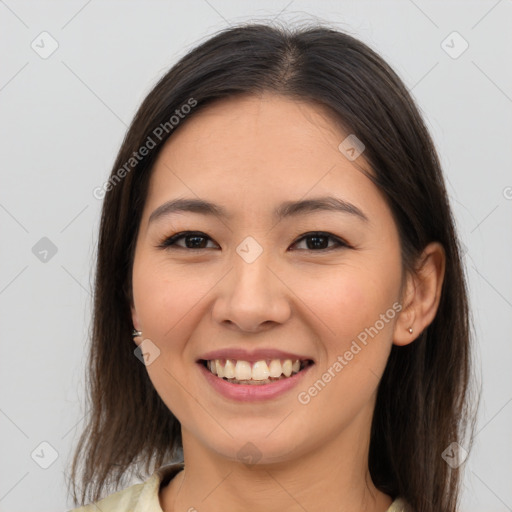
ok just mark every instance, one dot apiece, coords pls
pixel 252 297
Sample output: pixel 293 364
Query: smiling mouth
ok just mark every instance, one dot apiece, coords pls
pixel 256 373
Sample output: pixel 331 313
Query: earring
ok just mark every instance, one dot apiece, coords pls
pixel 410 330
pixel 136 333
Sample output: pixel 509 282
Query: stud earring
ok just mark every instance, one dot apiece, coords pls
pixel 410 330
pixel 136 333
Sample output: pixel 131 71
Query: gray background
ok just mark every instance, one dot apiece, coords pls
pixel 63 118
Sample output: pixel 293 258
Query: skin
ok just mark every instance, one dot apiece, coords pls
pixel 248 155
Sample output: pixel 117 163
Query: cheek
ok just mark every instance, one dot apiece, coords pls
pixel 356 315
pixel 168 302
pixel 165 296
pixel 171 304
pixel 354 311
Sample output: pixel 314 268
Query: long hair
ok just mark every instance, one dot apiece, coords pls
pixel 423 401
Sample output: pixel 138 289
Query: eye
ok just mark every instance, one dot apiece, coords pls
pixel 193 240
pixel 319 241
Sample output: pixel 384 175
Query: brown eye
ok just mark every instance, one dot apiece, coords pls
pixel 193 240
pixel 196 240
pixel 319 241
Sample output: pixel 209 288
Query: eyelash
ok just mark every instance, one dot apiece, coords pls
pixel 170 242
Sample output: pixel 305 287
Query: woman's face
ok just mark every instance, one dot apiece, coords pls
pixel 251 286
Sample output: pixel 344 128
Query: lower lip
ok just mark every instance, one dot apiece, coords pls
pixel 252 392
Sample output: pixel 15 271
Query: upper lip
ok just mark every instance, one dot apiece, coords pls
pixel 260 354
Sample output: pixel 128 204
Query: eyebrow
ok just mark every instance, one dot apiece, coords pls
pixel 286 209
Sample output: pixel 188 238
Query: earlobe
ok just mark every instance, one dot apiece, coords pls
pixel 422 295
pixel 405 329
pixel 136 326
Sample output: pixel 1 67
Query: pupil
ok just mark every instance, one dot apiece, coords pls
pixel 195 244
pixel 317 245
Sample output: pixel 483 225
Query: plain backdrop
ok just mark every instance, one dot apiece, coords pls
pixel 72 75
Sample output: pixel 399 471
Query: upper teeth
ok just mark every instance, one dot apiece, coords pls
pixel 260 370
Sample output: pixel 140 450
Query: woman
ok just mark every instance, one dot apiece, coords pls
pixel 277 238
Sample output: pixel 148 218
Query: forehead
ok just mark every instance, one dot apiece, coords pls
pixel 262 126
pixel 257 150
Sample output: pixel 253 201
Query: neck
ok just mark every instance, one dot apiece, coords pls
pixel 312 480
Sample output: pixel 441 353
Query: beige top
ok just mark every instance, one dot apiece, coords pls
pixel 143 497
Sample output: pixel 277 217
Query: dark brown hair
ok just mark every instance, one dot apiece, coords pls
pixel 423 400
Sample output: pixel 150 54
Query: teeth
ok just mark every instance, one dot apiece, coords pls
pixel 242 370
pixel 229 369
pixel 257 371
pixel 260 370
pixel 275 368
pixel 220 370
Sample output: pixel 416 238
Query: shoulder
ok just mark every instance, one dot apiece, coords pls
pixel 398 505
pixel 138 497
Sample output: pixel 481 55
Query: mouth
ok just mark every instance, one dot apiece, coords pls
pixel 256 373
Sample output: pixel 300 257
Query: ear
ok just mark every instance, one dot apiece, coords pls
pixel 136 324
pixel 421 295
